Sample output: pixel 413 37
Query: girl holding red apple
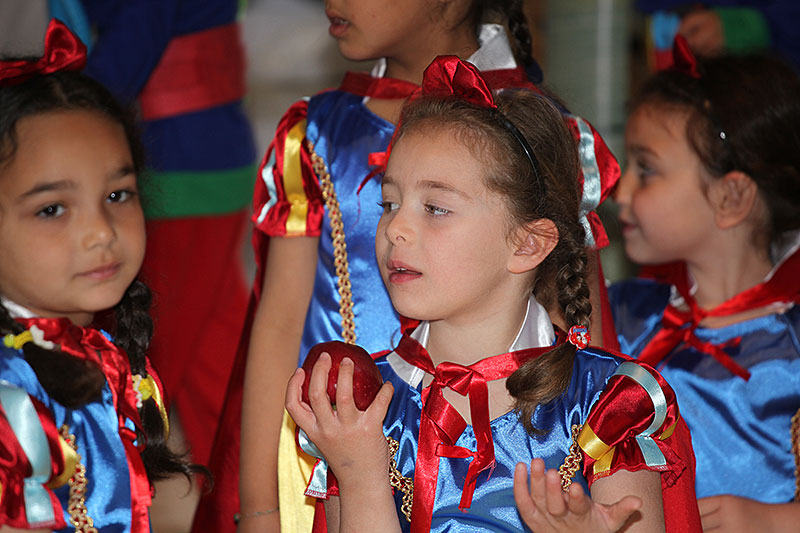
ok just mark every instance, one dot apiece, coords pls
pixel 480 205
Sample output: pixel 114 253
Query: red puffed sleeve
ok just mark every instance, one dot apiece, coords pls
pixel 636 425
pixel 287 199
pixel 34 459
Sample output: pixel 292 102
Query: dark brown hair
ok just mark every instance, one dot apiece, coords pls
pixel 553 195
pixel 510 14
pixel 70 381
pixel 743 114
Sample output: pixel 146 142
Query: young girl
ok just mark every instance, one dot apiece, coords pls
pixel 478 205
pixel 713 187
pixel 319 280
pixel 82 415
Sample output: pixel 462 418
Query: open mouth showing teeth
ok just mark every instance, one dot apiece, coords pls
pixel 338 21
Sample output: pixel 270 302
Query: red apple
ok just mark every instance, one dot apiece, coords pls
pixel 367 379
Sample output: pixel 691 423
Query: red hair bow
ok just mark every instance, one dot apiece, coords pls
pixel 62 51
pixel 683 59
pixel 449 75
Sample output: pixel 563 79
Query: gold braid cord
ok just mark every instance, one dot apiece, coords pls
pixel 398 481
pixel 339 246
pixel 76 505
pixel 572 462
pixel 796 451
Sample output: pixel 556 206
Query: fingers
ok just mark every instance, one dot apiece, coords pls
pixel 522 497
pixel 318 388
pixel 380 405
pixel 556 501
pixel 300 412
pixel 345 405
pixel 620 512
pixel 578 502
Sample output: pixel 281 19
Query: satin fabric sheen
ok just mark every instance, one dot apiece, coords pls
pixel 102 451
pixel 357 132
pixel 493 506
pixel 740 428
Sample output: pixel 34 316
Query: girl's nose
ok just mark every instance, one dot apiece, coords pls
pixel 99 229
pixel 627 182
pixel 398 230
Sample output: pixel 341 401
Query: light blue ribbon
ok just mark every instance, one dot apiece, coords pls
pixel 653 456
pixel 590 198
pixel 24 422
pixel 318 485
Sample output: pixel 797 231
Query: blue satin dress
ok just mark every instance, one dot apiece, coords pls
pixel 96 430
pixel 493 507
pixel 740 429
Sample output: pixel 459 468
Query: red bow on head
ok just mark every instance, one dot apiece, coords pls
pixel 445 76
pixel 62 51
pixel 449 75
pixel 683 59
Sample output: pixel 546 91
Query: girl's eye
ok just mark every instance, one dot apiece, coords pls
pixel 436 210
pixel 388 206
pixel 51 211
pixel 120 196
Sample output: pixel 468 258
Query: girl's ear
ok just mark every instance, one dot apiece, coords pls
pixel 732 197
pixel 534 242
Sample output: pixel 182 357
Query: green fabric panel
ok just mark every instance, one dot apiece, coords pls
pixel 745 29
pixel 191 194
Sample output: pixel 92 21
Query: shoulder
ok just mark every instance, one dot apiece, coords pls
pixel 638 297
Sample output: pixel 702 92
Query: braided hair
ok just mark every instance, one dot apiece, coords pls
pixel 552 195
pixel 71 381
pixel 510 14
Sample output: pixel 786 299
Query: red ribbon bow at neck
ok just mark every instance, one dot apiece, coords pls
pixel 441 425
pixel 678 326
pixel 62 51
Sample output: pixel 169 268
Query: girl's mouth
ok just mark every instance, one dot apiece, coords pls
pixel 338 26
pixel 402 274
pixel 102 273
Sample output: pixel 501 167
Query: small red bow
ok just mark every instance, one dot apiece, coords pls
pixel 445 76
pixel 683 59
pixel 62 51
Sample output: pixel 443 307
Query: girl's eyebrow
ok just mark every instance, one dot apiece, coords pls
pixel 428 184
pixel 61 185
pixel 48 186
pixel 639 149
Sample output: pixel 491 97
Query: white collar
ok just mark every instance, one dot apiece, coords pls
pixel 536 331
pixel 15 310
pixel 494 52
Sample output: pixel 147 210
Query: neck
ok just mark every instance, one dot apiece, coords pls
pixel 720 280
pixel 410 66
pixel 469 341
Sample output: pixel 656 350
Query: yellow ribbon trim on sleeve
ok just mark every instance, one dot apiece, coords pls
pixel 148 389
pixel 595 448
pixel 668 432
pixel 71 460
pixel 293 180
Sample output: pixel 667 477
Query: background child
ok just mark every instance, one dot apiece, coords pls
pixel 72 235
pixel 472 218
pixel 317 278
pixel 713 183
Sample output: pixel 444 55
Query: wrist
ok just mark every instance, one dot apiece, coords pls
pixel 239 517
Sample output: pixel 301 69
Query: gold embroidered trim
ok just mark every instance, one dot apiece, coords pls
pixel 796 451
pixel 398 480
pixel 76 505
pixel 339 247
pixel 572 462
